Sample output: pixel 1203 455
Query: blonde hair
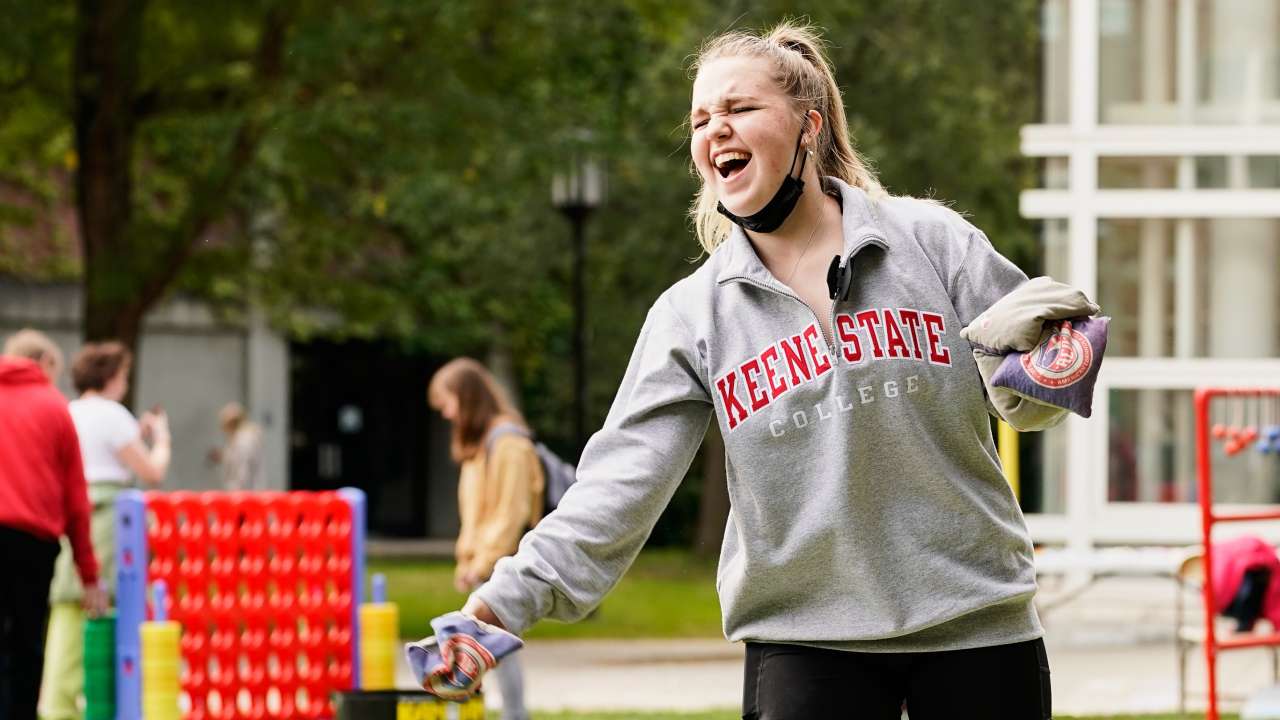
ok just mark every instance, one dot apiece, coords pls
pixel 802 70
pixel 480 400
pixel 33 345
pixel 231 416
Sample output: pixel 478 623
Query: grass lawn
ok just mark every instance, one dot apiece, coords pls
pixel 666 594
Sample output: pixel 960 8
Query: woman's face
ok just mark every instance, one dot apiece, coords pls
pixel 744 132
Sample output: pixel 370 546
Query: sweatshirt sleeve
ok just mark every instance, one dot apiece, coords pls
pixel 76 508
pixel 982 277
pixel 513 470
pixel 627 475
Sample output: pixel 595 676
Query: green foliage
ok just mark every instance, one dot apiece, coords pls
pixel 402 155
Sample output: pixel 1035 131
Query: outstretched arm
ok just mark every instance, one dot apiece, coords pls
pixel 627 475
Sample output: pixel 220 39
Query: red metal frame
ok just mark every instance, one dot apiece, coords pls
pixel 1204 465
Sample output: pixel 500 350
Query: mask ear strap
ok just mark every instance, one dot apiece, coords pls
pixel 803 156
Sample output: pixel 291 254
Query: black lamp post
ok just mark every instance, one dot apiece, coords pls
pixel 576 192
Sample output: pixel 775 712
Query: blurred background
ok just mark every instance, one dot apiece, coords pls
pixel 309 206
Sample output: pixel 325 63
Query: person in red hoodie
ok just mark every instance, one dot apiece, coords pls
pixel 42 497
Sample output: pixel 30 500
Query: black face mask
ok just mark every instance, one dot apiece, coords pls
pixel 775 212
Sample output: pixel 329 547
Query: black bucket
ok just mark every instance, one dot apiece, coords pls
pixel 405 705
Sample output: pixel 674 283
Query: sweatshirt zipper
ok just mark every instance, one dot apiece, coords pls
pixel 831 349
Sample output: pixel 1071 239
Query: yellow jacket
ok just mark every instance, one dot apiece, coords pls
pixel 499 498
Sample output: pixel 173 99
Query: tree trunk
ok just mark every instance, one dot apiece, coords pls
pixel 105 83
pixel 713 510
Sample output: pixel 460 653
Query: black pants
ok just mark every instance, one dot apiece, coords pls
pixel 24 611
pixel 793 682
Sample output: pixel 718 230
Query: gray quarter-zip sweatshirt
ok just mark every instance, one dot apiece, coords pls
pixel 869 510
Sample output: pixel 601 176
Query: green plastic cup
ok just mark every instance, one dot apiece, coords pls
pixel 100 668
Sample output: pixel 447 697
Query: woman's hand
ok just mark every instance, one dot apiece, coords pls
pixel 155 426
pixel 476 608
pixel 465 582
pixel 96 601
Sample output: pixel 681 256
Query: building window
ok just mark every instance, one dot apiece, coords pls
pixel 1137 62
pixel 1191 288
pixel 1152 451
pixel 1055 38
pixel 1211 172
pixel 1231 52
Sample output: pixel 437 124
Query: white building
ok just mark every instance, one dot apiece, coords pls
pixel 1160 147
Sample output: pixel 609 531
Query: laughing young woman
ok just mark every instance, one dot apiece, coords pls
pixel 875 554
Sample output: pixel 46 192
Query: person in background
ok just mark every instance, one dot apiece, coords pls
pixel 42 497
pixel 116 447
pixel 500 486
pixel 241 456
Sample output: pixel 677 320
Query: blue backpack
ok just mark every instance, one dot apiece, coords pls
pixel 559 475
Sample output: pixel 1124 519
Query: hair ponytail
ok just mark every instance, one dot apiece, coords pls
pixel 803 71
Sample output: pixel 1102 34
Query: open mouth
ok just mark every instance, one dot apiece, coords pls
pixel 731 164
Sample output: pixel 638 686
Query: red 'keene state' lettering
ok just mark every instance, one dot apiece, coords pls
pixel 821 363
pixel 847 332
pixel 777 383
pixel 797 365
pixel 934 328
pixel 869 320
pixel 893 336
pixel 801 358
pixel 750 372
pixel 733 408
pixel 911 318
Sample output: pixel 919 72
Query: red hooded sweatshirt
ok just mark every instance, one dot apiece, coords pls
pixel 42 487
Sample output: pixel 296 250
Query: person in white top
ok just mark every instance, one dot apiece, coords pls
pixel 115 447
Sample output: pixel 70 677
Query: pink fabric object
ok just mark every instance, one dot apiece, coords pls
pixel 1231 559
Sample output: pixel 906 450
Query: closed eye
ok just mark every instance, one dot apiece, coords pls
pixel 737 110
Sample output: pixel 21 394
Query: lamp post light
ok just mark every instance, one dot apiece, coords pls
pixel 577 191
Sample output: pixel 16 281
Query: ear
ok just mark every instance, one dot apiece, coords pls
pixel 813 126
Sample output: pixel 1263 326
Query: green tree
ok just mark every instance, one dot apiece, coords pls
pixel 381 168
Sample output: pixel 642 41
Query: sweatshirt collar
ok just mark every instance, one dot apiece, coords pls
pixel 859 224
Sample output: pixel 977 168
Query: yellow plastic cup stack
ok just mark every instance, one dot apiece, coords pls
pixel 379 639
pixel 161 663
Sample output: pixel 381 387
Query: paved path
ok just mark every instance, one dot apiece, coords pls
pixel 1111 651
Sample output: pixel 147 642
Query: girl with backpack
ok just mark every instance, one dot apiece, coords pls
pixel 500 486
